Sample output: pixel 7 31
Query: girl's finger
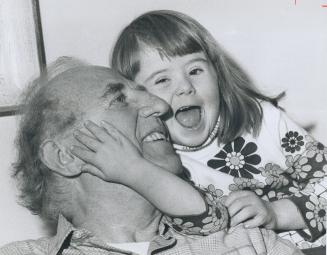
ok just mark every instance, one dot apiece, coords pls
pixel 97 131
pixel 83 154
pixel 243 215
pixel 236 206
pixel 86 140
pixel 87 168
pixel 255 222
pixel 236 195
pixel 112 131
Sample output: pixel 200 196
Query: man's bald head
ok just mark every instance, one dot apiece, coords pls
pixel 80 84
pixel 66 96
pixel 53 105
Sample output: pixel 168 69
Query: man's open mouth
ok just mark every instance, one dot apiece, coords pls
pixel 155 136
pixel 189 116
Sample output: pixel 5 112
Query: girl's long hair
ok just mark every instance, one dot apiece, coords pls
pixel 176 34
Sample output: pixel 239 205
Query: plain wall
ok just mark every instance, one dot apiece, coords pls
pixel 283 46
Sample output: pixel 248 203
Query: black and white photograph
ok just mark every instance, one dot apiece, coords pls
pixel 163 127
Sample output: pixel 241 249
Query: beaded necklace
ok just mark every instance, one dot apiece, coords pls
pixel 210 139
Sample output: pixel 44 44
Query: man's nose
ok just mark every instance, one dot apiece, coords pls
pixel 185 87
pixel 153 106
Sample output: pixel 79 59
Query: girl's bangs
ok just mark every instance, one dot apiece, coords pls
pixel 171 40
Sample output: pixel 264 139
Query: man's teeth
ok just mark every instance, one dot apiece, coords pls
pixel 155 136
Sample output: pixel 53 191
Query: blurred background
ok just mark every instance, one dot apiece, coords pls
pixel 282 44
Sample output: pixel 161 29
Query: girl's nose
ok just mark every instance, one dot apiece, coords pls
pixel 185 87
pixel 153 106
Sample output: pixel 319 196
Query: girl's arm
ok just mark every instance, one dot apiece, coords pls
pixel 116 159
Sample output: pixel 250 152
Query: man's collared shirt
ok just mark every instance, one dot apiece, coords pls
pixel 72 241
pixel 68 240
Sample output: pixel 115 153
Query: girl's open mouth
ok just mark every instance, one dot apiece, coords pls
pixel 189 116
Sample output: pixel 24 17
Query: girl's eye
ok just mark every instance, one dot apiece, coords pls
pixel 161 80
pixel 196 71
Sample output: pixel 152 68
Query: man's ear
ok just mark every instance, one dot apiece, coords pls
pixel 58 159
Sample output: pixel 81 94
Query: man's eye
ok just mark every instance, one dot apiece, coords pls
pixel 121 99
pixel 161 80
pixel 196 71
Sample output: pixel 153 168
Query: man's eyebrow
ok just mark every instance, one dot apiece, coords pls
pixel 112 88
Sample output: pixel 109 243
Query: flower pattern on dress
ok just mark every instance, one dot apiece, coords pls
pixel 297 166
pixel 213 220
pixel 213 194
pixel 301 189
pixel 320 173
pixel 315 149
pixel 325 168
pixel 273 195
pixel 274 175
pixel 292 141
pixel 318 243
pixel 317 212
pixel 184 227
pixel 247 184
pixel 215 198
pixel 237 159
pixel 307 245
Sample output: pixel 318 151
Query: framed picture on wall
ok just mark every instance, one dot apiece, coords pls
pixel 21 50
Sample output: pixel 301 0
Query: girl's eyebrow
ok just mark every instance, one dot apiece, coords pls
pixel 198 59
pixel 154 74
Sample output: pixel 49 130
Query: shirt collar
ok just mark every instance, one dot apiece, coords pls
pixel 64 229
pixel 67 232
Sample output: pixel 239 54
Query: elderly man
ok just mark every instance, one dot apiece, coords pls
pixel 93 216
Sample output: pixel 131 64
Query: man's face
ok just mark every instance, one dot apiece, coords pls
pixel 103 95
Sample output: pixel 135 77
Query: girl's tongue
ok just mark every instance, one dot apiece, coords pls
pixel 189 116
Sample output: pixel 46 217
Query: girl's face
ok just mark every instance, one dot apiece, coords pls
pixel 189 85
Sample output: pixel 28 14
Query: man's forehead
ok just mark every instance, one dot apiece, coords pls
pixel 97 75
pixel 89 85
pixel 86 79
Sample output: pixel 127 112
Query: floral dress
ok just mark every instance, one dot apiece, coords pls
pixel 283 161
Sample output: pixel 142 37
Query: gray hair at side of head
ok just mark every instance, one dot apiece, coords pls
pixel 40 190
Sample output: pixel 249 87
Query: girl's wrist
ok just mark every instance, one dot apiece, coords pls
pixel 137 173
pixel 287 215
pixel 275 223
pixel 129 170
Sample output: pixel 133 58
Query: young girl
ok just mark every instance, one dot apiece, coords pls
pixel 226 131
